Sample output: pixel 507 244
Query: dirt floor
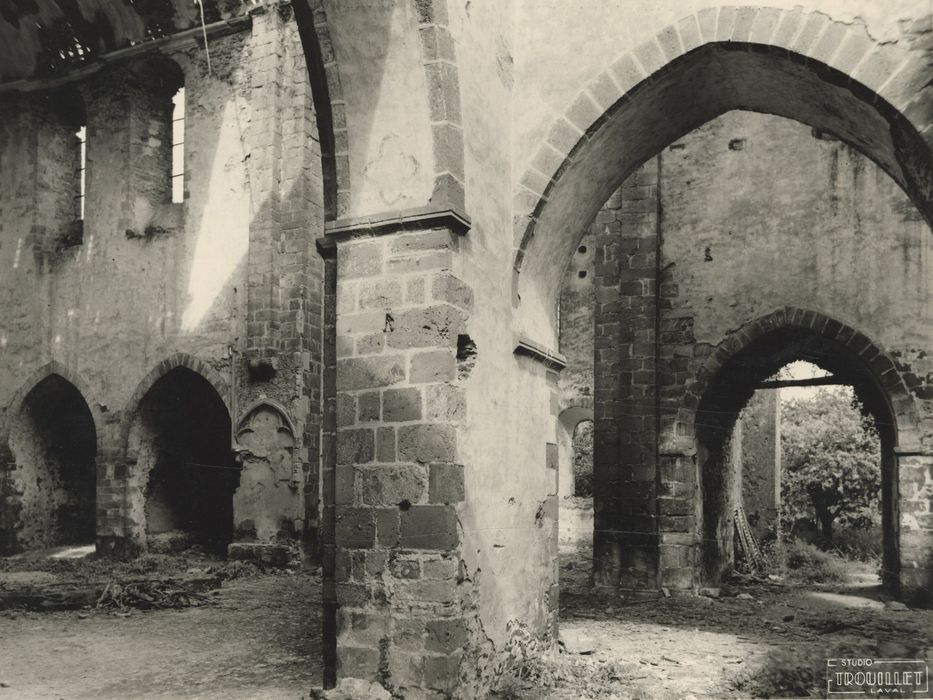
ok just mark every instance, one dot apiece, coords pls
pixel 259 636
pixel 751 641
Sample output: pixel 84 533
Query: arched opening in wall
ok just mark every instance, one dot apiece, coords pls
pixel 604 146
pixel 54 445
pixel 575 517
pixel 186 474
pixel 615 130
pixel 823 454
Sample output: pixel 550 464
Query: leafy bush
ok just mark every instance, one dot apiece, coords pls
pixel 862 544
pixel 806 563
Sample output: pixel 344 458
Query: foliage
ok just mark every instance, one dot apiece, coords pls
pixel 805 563
pixel 583 459
pixel 530 665
pixel 831 462
pixel 861 544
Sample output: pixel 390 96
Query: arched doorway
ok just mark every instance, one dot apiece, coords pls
pixel 730 389
pixel 53 442
pixel 185 475
pixel 639 104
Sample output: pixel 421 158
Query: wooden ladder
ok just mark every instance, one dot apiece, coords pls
pixel 749 545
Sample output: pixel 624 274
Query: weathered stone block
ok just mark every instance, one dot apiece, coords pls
pixel 406 567
pixel 433 442
pixel 370 372
pixel 361 628
pixel 406 670
pixel 368 406
pixel 370 344
pixel 414 290
pixel 452 290
pixel 430 326
pixel 435 239
pixel 433 366
pixel 360 663
pixel 380 294
pixel 387 526
pixel 429 527
pixel 346 410
pixel 446 636
pixel 385 485
pixel 409 633
pixel 401 405
pixel 355 446
pixel 441 672
pixel 446 483
pixel 355 527
pixel 359 260
pixel 440 567
pixel 365 322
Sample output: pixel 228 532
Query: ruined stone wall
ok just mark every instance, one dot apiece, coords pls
pixel 761 462
pixel 754 212
pixel 577 302
pixel 847 243
pixel 226 276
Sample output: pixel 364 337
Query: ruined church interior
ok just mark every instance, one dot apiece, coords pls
pixel 436 349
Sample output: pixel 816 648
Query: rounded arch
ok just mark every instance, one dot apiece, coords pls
pixel 567 423
pixel 179 359
pixel 798 65
pixel 726 384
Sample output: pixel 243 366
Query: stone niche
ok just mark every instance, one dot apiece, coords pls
pixel 267 506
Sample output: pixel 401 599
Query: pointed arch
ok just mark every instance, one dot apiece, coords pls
pixel 179 359
pixel 285 422
pixel 792 63
pixel 727 382
pixel 51 442
pixel 53 367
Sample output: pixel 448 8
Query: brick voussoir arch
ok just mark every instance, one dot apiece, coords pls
pixel 329 104
pixel 439 57
pixel 49 369
pixel 178 359
pixel 886 75
pixel 881 367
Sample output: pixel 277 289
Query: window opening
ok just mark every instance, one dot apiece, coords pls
pixel 178 146
pixel 81 136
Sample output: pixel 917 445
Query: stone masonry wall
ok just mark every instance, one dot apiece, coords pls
pixel 625 431
pixel 151 281
pixel 754 212
pixel 761 462
pixel 404 607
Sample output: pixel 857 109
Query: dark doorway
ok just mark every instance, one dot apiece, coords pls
pixel 186 464
pixel 54 444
